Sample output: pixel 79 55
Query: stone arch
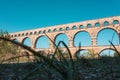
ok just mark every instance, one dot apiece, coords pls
pixel 15 35
pixel 35 32
pixel 83 53
pixel 74 27
pixel 26 34
pixel 81 26
pixel 19 35
pixel 43 41
pixel 103 54
pixel 76 52
pixel 31 33
pixel 99 34
pixel 49 30
pixel 23 34
pixel 55 30
pixel 61 29
pixel 27 41
pixel 67 28
pixel 83 38
pixel 97 24
pixel 115 22
pixel 16 40
pixel 44 31
pixel 106 23
pixel 89 26
pixel 64 36
pixel 40 32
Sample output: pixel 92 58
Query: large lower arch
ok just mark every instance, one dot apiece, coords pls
pixel 61 37
pixel 108 52
pixel 84 54
pixel 42 42
pixel 82 38
pixel 16 40
pixel 107 34
pixel 27 41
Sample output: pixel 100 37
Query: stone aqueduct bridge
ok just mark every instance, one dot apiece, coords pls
pixel 93 27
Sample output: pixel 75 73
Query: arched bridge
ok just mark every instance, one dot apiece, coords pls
pixel 93 27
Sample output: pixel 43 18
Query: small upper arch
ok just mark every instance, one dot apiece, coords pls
pixel 81 27
pixel 26 34
pixel 89 26
pixel 74 27
pixel 15 35
pixel 18 34
pixel 97 24
pixel 115 22
pixel 55 30
pixel 35 32
pixel 44 31
pixel 11 35
pixel 61 29
pixel 106 23
pixel 22 34
pixel 67 28
pixel 31 33
pixel 49 30
pixel 40 32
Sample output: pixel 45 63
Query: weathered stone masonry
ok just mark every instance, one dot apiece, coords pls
pixel 93 27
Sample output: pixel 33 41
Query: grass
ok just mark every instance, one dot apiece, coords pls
pixel 59 68
pixel 100 69
pixel 64 67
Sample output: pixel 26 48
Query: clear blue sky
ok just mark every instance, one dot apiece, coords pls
pixel 18 15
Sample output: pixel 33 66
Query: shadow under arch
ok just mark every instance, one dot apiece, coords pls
pixel 107 34
pixel 27 41
pixel 107 52
pixel 42 42
pixel 83 38
pixel 61 37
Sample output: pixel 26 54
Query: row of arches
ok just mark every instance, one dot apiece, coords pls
pixel 104 53
pixel 82 38
pixel 97 24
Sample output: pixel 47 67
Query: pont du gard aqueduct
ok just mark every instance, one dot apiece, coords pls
pixel 93 27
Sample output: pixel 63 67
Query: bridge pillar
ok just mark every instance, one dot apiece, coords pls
pixel 94 42
pixel 51 40
pixel 33 44
pixel 33 40
pixel 52 46
pixel 20 40
pixel 71 39
pixel 71 43
pixel 95 52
